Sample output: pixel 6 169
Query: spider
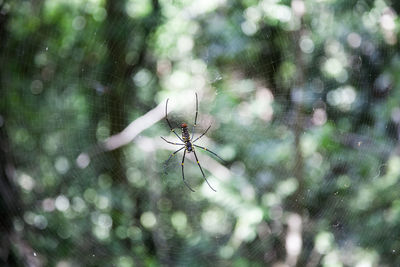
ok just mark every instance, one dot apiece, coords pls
pixel 188 144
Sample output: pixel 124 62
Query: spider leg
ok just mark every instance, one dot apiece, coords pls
pixel 202 134
pixel 183 174
pixel 169 124
pixel 195 118
pixel 170 156
pixel 172 143
pixel 215 154
pixel 202 171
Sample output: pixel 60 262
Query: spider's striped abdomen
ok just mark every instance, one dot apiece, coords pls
pixel 186 138
pixel 185 133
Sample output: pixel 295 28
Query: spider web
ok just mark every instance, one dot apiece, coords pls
pixel 288 98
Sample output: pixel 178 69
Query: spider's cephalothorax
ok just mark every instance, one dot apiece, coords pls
pixel 188 143
pixel 186 137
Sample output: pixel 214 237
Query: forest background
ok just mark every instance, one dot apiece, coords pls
pixel 303 98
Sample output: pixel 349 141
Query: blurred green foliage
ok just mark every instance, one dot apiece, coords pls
pixel 303 99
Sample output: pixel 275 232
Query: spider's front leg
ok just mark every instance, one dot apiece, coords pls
pixel 183 173
pixel 198 163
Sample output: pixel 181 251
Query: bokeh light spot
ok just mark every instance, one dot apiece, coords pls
pixel 148 219
pixel 62 203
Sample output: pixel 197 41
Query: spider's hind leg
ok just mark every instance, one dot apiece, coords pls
pixel 169 124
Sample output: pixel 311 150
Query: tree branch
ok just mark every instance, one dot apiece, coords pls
pixel 124 137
